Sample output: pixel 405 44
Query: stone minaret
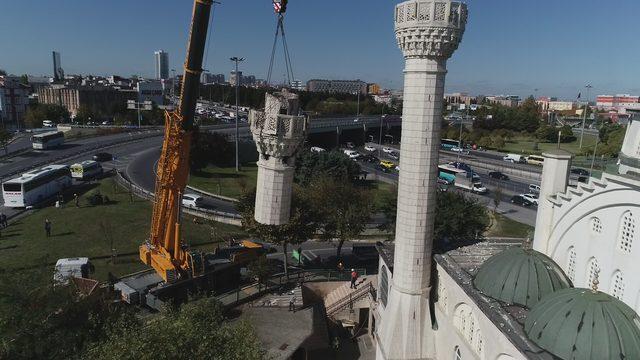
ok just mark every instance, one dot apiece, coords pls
pixel 279 133
pixel 630 153
pixel 428 32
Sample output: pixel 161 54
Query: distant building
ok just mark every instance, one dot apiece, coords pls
pixel 58 73
pixel 618 102
pixel 373 89
pixel 162 64
pixel 248 80
pixel 36 82
pixel 298 85
pixel 459 99
pixel 14 99
pixel 72 97
pixel 509 100
pixel 151 91
pixel 209 78
pixel 337 86
pixel 235 78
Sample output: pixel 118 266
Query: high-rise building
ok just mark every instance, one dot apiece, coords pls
pixel 162 64
pixel 58 73
pixel 337 86
pixel 233 78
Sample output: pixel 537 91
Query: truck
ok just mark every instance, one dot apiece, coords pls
pixel 515 158
pixel 467 184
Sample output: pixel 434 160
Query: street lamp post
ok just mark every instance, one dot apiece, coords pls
pixel 237 60
pixel 584 117
pixel 381 125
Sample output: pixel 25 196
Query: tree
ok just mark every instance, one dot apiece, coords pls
pixel 84 114
pixel 3 72
pixel 5 137
pixel 335 164
pixel 209 148
pixel 497 142
pixel 302 224
pixel 458 218
pixel 37 113
pixel 198 330
pixel 344 210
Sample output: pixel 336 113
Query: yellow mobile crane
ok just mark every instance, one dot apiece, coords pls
pixel 164 250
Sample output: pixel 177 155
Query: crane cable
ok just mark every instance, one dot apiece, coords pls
pixel 280 8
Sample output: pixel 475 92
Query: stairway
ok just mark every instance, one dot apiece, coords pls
pixel 342 293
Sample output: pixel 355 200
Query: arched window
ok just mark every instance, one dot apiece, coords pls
pixel 617 285
pixel 456 353
pixel 384 285
pixel 627 232
pixel 592 268
pixel 467 324
pixel 596 225
pixel 571 264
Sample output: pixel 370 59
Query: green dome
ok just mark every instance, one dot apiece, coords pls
pixel 519 276
pixel 584 324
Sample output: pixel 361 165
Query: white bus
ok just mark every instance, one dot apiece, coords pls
pixel 48 140
pixel 36 186
pixel 85 170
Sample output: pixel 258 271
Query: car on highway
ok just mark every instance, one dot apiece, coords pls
pixel 47 123
pixel 387 164
pixel 356 120
pixel 460 150
pixel 369 148
pixel 531 197
pixel 102 156
pixel 534 189
pixel 580 172
pixel 498 175
pixel 520 200
pixel 317 149
pixel 514 158
pixel 369 158
pixel 387 150
pixel 192 200
pixel 394 155
pixel 352 154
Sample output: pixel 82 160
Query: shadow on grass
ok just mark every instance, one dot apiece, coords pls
pixel 63 234
pixel 8 247
pixel 209 175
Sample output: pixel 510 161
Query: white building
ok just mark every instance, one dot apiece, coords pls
pixel 161 64
pixel 151 90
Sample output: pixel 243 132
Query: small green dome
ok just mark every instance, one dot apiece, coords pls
pixel 584 324
pixel 520 276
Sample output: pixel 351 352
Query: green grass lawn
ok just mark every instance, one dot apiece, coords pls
pixel 225 181
pixel 88 230
pixel 502 226
pixel 526 145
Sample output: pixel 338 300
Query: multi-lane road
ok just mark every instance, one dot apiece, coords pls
pixel 136 155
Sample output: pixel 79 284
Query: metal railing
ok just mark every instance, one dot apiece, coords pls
pixel 350 299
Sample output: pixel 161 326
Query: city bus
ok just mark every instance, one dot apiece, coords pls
pixel 48 140
pixel 449 173
pixel 448 144
pixel 35 186
pixel 86 170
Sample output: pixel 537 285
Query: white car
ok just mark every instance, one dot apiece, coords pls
pixel 387 150
pixel 534 189
pixel 460 150
pixel 369 148
pixel 192 200
pixel 478 188
pixel 531 197
pixel 352 154
pixel 317 149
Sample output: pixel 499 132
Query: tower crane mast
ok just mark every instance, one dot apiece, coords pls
pixel 164 250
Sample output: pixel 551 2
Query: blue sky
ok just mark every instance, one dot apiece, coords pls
pixel 511 46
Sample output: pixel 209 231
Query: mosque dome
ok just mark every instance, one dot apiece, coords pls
pixel 520 276
pixel 584 324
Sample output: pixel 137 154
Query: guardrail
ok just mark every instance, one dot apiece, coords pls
pixel 350 299
pixel 215 215
pixel 219 197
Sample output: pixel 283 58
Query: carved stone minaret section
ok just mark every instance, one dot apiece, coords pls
pixel 279 133
pixel 630 153
pixel 428 32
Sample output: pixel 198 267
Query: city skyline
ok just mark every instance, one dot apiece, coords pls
pixel 542 45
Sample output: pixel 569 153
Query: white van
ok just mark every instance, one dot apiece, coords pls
pixel 47 123
pixel 534 189
pixel 514 158
pixel 352 154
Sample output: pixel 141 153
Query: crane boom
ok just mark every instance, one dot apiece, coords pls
pixel 164 250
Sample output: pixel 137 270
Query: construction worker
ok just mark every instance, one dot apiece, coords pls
pixel 292 303
pixel 47 227
pixel 354 278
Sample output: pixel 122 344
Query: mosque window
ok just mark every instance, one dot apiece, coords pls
pixel 467 324
pixel 480 345
pixel 384 285
pixel 617 289
pixel 596 225
pixel 592 268
pixel 627 232
pixel 571 264
pixel 456 353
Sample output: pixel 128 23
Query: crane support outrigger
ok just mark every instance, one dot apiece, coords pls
pixel 164 250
